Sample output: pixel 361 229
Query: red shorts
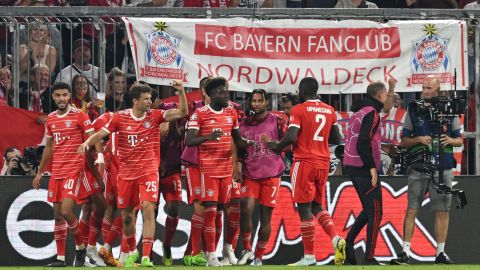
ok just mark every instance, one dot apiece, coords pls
pixel 88 187
pixel 194 186
pixel 132 192
pixel 111 190
pixel 215 189
pixel 265 190
pixel 235 192
pixel 171 187
pixel 308 182
pixel 65 187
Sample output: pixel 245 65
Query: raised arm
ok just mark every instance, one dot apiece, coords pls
pixel 182 110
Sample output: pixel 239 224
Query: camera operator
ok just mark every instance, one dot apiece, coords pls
pixel 15 164
pixel 418 131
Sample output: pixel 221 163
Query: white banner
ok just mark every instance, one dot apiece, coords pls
pixel 344 56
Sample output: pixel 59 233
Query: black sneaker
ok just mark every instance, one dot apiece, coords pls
pixel 402 259
pixel 56 263
pixel 372 262
pixel 443 258
pixel 350 252
pixel 80 257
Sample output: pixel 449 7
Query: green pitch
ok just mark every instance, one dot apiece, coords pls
pixel 282 267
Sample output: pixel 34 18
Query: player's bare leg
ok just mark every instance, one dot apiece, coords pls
pixel 325 220
pixel 171 223
pixel 247 207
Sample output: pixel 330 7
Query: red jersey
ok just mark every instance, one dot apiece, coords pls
pixel 315 120
pixel 215 157
pixel 206 3
pixel 67 133
pixel 136 137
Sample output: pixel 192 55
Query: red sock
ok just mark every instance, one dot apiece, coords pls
pixel 233 223
pixel 209 228
pixel 196 233
pixel 147 244
pixel 95 225
pixel 131 242
pixel 115 230
pixel 170 228
pixel 218 227
pixel 308 235
pixel 60 236
pixel 73 227
pixel 124 245
pixel 83 231
pixel 106 226
pixel 325 220
pixel 235 239
pixel 188 250
pixel 246 239
pixel 260 249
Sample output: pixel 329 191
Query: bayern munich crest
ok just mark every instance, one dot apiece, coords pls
pixel 430 52
pixel 162 48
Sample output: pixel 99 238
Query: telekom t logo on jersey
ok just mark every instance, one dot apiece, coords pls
pixel 132 139
pixel 56 137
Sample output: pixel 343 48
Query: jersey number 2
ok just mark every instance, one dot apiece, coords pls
pixel 322 120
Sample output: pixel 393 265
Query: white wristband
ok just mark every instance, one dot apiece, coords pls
pixel 100 159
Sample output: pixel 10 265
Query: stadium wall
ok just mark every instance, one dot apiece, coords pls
pixel 26 226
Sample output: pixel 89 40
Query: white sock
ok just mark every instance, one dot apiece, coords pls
pixel 61 258
pixel 133 252
pixel 91 247
pixel 80 247
pixel 228 247
pixel 145 257
pixel 440 248
pixel 309 256
pixel 335 241
pixel 406 248
pixel 107 247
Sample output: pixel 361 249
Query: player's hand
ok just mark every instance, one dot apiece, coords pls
pixel 36 181
pixel 391 85
pixel 82 148
pixel 374 174
pixel 253 143
pixel 215 135
pixel 445 140
pixel 274 146
pixel 426 140
pixel 264 138
pixel 178 85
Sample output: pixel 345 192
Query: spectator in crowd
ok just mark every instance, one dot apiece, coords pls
pixel 394 3
pixel 81 65
pixel 37 97
pixel 5 86
pixel 81 98
pixel 36 50
pixel 156 3
pixel 287 102
pixel 14 165
pixel 255 3
pixel 473 5
pixel 211 3
pixel 447 4
pixel 355 4
pixel 117 95
pixel 319 4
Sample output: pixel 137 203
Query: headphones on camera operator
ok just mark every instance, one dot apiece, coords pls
pixel 439 113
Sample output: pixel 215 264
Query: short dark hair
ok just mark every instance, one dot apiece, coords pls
pixel 204 82
pixel 289 97
pixel 9 150
pixel 309 86
pixel 374 88
pixel 138 89
pixel 258 91
pixel 214 83
pixel 61 85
